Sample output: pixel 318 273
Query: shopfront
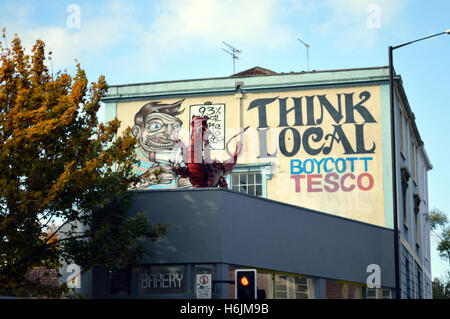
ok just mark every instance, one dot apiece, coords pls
pixel 298 253
pixel 182 281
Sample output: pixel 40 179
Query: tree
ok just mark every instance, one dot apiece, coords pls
pixel 439 226
pixel 441 290
pixel 59 165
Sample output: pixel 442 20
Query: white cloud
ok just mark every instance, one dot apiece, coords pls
pixel 178 27
pixel 187 24
pixel 96 33
pixel 349 11
pixel 358 21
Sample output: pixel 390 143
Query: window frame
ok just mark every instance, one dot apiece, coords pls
pixel 254 185
pixel 402 133
pixel 264 168
pixel 414 160
pixel 113 275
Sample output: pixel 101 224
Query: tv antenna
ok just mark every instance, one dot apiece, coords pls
pixel 233 54
pixel 307 52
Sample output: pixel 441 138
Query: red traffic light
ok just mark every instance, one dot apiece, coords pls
pixel 244 281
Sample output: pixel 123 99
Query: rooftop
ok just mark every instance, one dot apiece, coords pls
pixel 47 277
pixel 258 72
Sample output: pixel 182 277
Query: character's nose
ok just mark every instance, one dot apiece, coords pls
pixel 168 128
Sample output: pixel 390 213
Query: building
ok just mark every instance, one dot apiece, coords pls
pixel 318 144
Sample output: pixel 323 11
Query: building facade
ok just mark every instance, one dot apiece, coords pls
pixel 316 140
pixel 298 253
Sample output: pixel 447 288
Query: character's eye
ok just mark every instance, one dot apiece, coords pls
pixel 154 126
pixel 176 127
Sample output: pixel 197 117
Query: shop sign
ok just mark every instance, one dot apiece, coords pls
pixel 162 279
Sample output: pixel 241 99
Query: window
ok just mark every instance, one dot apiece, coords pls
pixel 408 279
pixel 291 287
pixel 301 288
pixel 282 287
pixel 250 178
pixel 402 137
pixel 416 225
pixel 419 282
pixel 416 217
pixel 205 269
pixel 371 293
pixel 417 201
pixel 413 160
pixel 405 175
pixel 378 293
pixel 386 294
pixel 119 281
pixel 247 182
pixel 265 285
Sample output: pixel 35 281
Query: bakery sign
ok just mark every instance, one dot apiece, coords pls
pixel 162 279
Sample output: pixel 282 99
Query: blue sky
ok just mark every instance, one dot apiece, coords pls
pixel 145 41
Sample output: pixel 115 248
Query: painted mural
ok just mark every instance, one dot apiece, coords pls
pixel 165 161
pixel 320 148
pixel 198 166
pixel 316 140
pixel 156 126
pixel 216 122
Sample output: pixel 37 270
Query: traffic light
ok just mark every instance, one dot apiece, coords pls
pixel 245 283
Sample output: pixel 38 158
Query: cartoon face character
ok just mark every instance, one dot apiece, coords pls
pixel 156 126
pixel 159 132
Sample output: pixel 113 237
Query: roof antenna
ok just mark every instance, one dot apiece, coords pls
pixel 233 54
pixel 307 52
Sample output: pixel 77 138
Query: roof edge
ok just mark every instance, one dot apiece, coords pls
pixel 219 189
pixel 251 76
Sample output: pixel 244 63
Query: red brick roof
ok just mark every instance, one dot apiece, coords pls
pixel 254 72
pixel 48 277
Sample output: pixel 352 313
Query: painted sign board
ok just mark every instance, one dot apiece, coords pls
pixel 324 146
pixel 216 122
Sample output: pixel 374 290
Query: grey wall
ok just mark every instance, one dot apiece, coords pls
pixel 222 226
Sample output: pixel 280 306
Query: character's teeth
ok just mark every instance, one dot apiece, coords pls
pixel 160 144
